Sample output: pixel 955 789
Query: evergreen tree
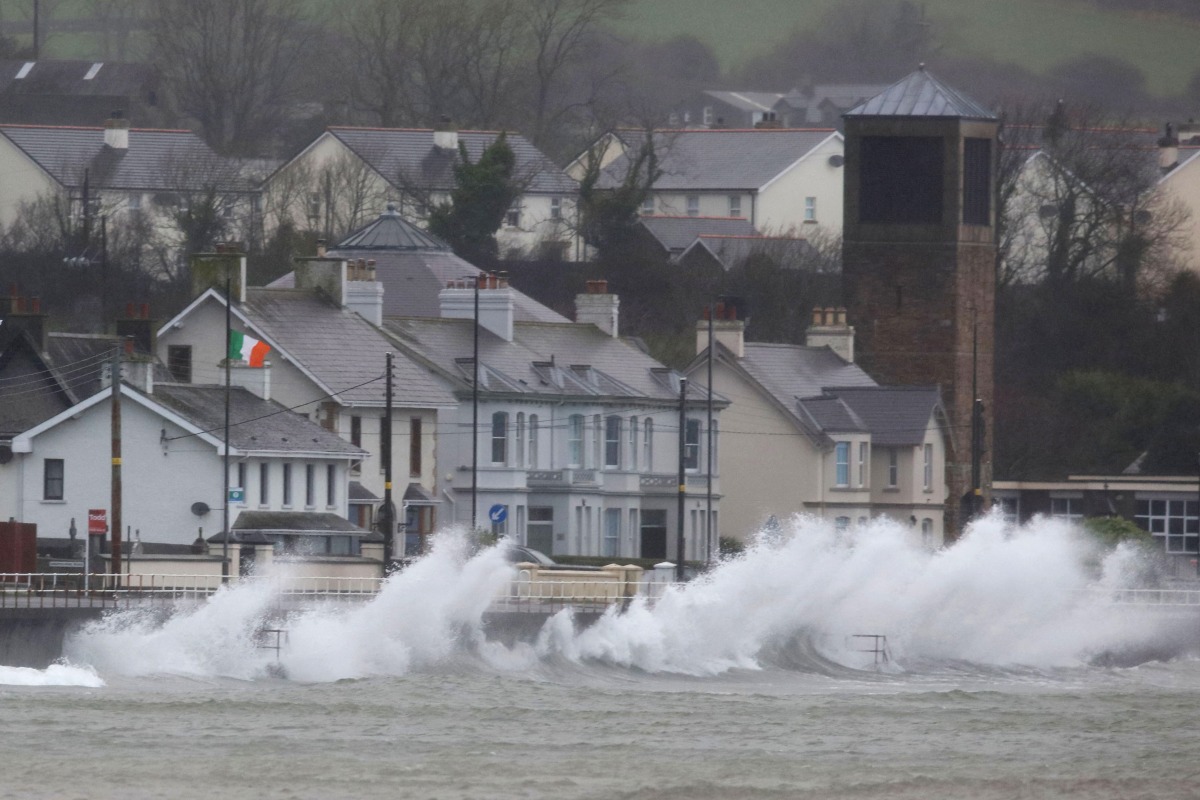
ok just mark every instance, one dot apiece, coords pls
pixel 483 193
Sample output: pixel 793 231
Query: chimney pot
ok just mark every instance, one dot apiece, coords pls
pixel 35 305
pixel 129 311
pixel 145 311
pixel 19 302
pixel 320 248
pixel 817 317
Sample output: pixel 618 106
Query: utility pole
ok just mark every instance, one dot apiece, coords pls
pixel 385 433
pixel 475 414
pixel 708 519
pixel 116 460
pixel 225 457
pixel 37 19
pixel 679 572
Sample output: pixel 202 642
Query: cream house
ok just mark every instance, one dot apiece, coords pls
pixel 808 432
pixel 346 176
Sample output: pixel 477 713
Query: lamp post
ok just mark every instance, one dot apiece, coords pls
pixel 475 279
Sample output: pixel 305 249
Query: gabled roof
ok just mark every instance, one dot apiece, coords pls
pixel 343 352
pixel 675 234
pixel 413 267
pixel 790 371
pixel 840 95
pixel 831 415
pixel 31 390
pixel 544 359
pixel 255 425
pixel 156 160
pixel 723 160
pixel 746 101
pixel 921 95
pixel 896 415
pixel 408 157
pixel 79 78
pixel 731 251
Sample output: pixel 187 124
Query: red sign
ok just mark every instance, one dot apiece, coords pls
pixel 97 521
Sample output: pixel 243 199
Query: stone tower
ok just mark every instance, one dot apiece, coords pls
pixel 919 260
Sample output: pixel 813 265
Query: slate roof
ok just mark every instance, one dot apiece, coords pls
pixel 720 159
pixel 790 371
pixel 896 415
pixel 256 425
pixel 676 234
pixel 156 160
pixel 545 359
pixel 309 522
pixel 830 414
pixel 69 77
pixel 731 251
pixel 921 95
pixel 344 351
pixel 393 152
pixel 413 267
pixel 29 390
pixel 746 101
pixel 840 95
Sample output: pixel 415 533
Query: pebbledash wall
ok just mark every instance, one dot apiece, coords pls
pixel 164 471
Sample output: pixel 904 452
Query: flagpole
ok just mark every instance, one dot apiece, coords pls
pixel 225 457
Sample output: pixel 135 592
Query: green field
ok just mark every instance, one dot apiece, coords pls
pixel 1035 34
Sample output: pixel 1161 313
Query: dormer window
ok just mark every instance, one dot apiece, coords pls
pixel 95 68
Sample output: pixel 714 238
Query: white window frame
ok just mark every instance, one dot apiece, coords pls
pixel 612 441
pixel 499 441
pixel 893 468
pixel 693 205
pixel 928 467
pixel 575 452
pixel 810 209
pixel 735 206
pixel 841 464
pixel 556 208
pixel 863 460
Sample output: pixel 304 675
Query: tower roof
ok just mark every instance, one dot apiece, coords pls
pixel 390 231
pixel 920 94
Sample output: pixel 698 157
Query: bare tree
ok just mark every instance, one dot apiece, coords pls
pixel 231 65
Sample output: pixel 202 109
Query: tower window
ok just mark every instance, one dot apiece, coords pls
pixel 977 183
pixel 901 179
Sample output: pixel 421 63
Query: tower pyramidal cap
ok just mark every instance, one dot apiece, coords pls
pixel 919 261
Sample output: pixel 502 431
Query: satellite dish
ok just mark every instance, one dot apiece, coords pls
pixel 5 454
pixel 200 509
pixel 836 160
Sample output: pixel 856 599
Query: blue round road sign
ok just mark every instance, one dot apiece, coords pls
pixel 498 513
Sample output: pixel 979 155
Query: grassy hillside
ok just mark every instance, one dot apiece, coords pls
pixel 1033 33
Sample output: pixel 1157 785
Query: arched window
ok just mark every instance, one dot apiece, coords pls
pixel 612 442
pixel 500 437
pixel 575 440
pixel 533 441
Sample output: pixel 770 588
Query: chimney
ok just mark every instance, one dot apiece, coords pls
pixel 20 314
pixel 598 307
pixel 728 330
pixel 445 135
pixel 497 302
pixel 116 132
pixel 1168 149
pixel 137 325
pixel 329 275
pixel 256 380
pixel 364 293
pixel 209 271
pixel 829 329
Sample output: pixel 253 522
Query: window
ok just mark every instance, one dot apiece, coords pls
pixel 314 206
pixel 648 445
pixel 330 485
pixel 900 179
pixel 977 181
pixel 1010 508
pixel 648 205
pixel 597 441
pixel 633 443
pixel 310 485
pixel 842 524
pixel 575 441
pixel 1174 520
pixel 708 115
pixel 500 437
pixel 264 483
pixel 810 209
pixel 691 446
pixel 893 474
pixel 928 468
pixel 735 205
pixel 927 533
pixel 512 217
pixel 841 452
pixel 862 463
pixel 356 431
pixel 611 545
pixel 533 441
pixel 693 205
pixel 612 442
pixel 1070 508
pixel 415 446
pixel 520 439
pixel 287 485
pixel 179 362
pixel 241 481
pixel 555 208
pixel 134 203
pixel 53 472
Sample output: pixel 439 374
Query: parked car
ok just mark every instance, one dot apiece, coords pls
pixel 519 553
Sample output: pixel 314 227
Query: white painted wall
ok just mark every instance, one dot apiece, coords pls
pixel 21 180
pixel 780 205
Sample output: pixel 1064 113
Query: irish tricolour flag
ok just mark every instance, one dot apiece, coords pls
pixel 247 348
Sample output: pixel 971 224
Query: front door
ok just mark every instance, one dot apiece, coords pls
pixel 654 534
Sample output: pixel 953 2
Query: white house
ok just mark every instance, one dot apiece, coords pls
pixel 575 449
pixel 808 431
pixel 780 180
pixel 346 176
